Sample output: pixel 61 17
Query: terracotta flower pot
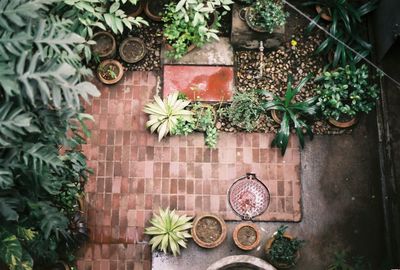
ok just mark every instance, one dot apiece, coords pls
pixel 268 246
pixel 105 46
pixel 324 12
pixel 246 236
pixel 209 231
pixel 343 124
pixel 132 50
pixel 275 115
pixel 115 66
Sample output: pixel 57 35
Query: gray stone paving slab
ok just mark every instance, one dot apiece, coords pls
pixel 215 53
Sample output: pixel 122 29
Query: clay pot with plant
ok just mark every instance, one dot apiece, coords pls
pixel 265 16
pixel 105 46
pixel 282 250
pixel 247 236
pixel 132 50
pixel 110 71
pixel 209 231
pixel 345 93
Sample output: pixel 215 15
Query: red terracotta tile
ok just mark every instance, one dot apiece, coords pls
pixel 216 83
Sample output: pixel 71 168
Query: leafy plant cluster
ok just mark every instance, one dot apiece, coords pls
pixel 41 88
pixel 203 120
pixel 186 23
pixel 169 231
pixel 346 26
pixel 86 15
pixel 247 108
pixel 283 249
pixel 268 15
pixel 346 91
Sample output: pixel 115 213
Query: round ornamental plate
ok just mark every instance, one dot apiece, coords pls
pixel 248 197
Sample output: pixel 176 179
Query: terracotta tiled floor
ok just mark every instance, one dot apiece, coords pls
pixel 134 175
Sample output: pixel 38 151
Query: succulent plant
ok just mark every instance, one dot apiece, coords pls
pixel 169 231
pixel 164 114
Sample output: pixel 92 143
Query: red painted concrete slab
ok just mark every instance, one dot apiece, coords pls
pixel 203 83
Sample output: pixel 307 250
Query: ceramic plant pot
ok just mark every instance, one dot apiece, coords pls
pixel 155 9
pixel 324 12
pixel 248 18
pixel 132 50
pixel 110 71
pixel 105 46
pixel 209 231
pixel 343 124
pixel 277 116
pixel 247 236
pixel 133 10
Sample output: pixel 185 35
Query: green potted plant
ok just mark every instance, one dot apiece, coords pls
pixel 265 15
pixel 282 250
pixel 345 93
pixel 246 109
pixel 292 112
pixel 186 25
pixel 169 231
pixel 164 114
pixel 110 71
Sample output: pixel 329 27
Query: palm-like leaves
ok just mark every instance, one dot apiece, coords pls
pixel 164 114
pixel 292 111
pixel 169 231
pixel 346 18
pixel 41 88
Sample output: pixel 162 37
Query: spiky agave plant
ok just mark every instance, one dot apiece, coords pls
pixel 164 114
pixel 292 113
pixel 169 231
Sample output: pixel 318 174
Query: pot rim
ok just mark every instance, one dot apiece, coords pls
pixel 345 124
pixel 217 242
pixel 324 15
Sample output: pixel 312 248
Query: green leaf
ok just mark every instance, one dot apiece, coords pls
pixel 8 208
pixel 6 178
pixel 37 155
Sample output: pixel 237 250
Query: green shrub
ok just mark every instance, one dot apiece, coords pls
pixel 41 90
pixel 346 91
